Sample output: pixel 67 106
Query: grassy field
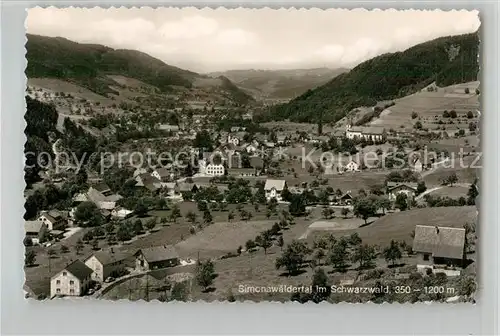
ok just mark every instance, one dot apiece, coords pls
pixel 399 225
pixel 430 106
pixel 453 192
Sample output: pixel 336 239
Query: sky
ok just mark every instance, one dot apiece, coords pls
pixel 207 40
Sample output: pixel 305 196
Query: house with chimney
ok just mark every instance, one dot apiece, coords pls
pixel 436 245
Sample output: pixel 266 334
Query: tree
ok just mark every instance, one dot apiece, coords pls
pixel 161 203
pixel 204 274
pixel 281 242
pixel 466 90
pixel 250 245
pixel 345 212
pixel 421 187
pixel 27 241
pixel 29 258
pixel 207 217
pixel 138 228
pixel 150 224
pixel 392 253
pixel 297 205
pixel 327 213
pixel 364 254
pixel 355 239
pixel 179 292
pixel 319 255
pixel 384 203
pixel 452 179
pixel 175 213
pixel 472 193
pixel 338 256
pixel 87 214
pixel 470 115
pixel 414 115
pixel 418 125
pixel 364 208
pixel 293 257
pixel 95 244
pixel 401 201
pixel 230 216
pixel 51 253
pixel 110 228
pixel 266 242
pixel 64 249
pixel 191 217
pixel 320 288
pixel 79 246
pixel 140 208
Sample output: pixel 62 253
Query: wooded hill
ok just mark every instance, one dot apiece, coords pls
pixel 446 60
pixel 88 65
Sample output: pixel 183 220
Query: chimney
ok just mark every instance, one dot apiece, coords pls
pixel 437 229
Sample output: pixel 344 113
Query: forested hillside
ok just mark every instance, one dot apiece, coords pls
pixel 446 60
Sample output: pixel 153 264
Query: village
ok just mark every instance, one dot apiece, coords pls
pixel 236 202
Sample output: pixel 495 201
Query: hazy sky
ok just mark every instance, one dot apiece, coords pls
pixel 212 40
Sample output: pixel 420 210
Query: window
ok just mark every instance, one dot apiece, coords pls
pixel 426 256
pixel 64 273
pixel 72 291
pixel 58 290
pixel 71 282
pixel 58 282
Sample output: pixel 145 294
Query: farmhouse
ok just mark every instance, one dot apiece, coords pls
pixel 274 189
pixel 162 174
pixel 346 199
pixel 105 264
pixel 241 172
pixel 102 201
pixel 439 245
pixel 374 133
pixel 156 257
pixel 73 280
pixel 53 219
pixel 148 181
pixel 395 188
pixel 35 230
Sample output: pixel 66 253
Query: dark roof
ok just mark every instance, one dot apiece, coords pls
pixel 394 185
pixel 101 187
pixel 444 242
pixel 159 253
pixel 163 172
pixel 256 162
pixel 79 269
pixel 108 257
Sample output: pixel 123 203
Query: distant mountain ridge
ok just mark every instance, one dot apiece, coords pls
pixel 279 84
pixel 89 64
pixel 446 60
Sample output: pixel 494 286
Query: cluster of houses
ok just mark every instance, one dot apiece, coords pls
pixel 76 278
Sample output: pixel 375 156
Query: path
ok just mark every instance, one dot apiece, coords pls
pixel 428 191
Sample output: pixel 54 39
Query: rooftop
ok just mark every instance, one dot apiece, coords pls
pixel 444 242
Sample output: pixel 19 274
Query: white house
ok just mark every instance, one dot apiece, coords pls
pixel 352 166
pixel 375 133
pixel 211 169
pixel 73 280
pixel 274 189
pixel 54 220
